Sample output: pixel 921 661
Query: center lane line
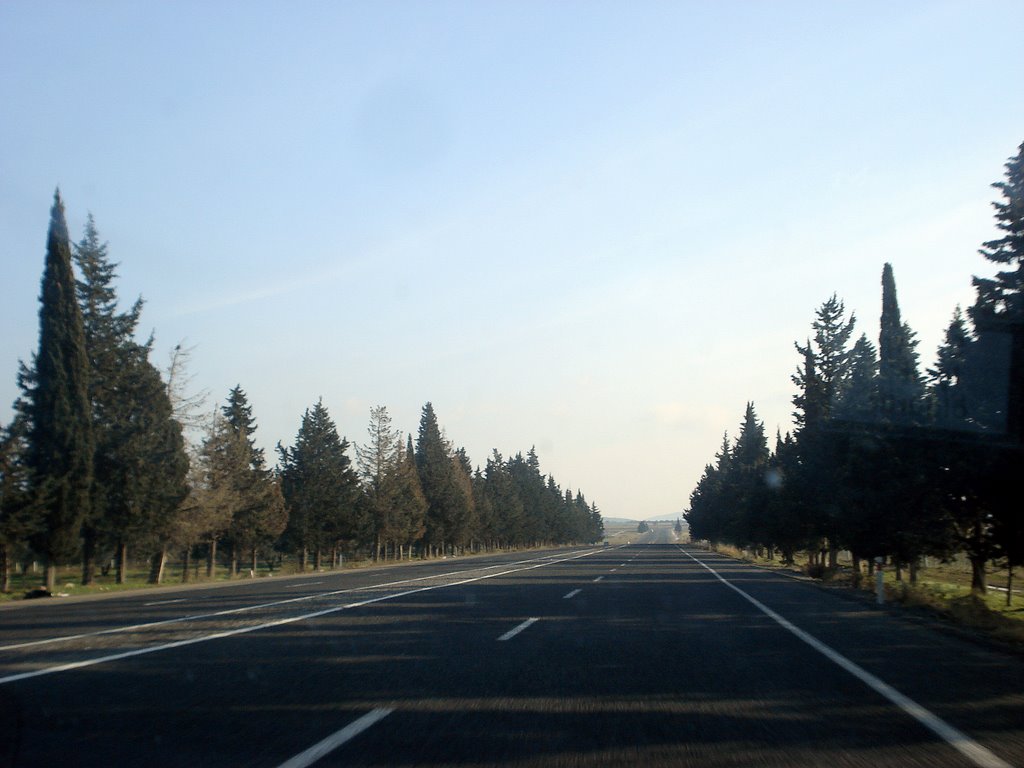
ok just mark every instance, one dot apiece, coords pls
pixel 599 578
pixel 572 594
pixel 517 629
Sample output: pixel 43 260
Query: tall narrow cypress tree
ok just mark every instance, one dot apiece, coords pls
pixel 900 388
pixel 60 436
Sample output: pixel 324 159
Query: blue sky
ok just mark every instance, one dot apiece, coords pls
pixel 596 228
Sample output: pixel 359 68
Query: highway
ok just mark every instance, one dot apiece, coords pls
pixel 647 655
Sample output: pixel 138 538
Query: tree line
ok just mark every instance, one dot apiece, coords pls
pixel 98 465
pixel 884 460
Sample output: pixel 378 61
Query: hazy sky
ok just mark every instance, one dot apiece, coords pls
pixel 592 227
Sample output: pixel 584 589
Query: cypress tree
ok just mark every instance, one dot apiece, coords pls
pixel 60 446
pixel 900 388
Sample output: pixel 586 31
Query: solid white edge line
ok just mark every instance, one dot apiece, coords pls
pixel 571 594
pixel 243 609
pixel 968 747
pixel 276 623
pixel 335 740
pixel 517 629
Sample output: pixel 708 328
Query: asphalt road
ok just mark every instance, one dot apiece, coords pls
pixel 652 654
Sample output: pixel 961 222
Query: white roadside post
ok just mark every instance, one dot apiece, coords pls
pixel 879 584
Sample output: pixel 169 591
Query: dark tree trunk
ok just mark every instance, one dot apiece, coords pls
pixel 211 559
pixel 234 561
pixel 122 562
pixel 317 559
pixel 303 558
pixel 255 562
pixel 187 564
pixel 88 555
pixel 51 577
pixel 856 570
pixel 5 568
pixel 979 581
pixel 912 566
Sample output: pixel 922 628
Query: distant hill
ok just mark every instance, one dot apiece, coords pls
pixel 619 521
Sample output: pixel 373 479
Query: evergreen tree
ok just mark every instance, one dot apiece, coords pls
pixel 60 445
pixel 465 523
pixel 824 381
pixel 508 528
pixel 1003 295
pixel 900 388
pixel 319 486
pixel 17 519
pixel 144 463
pixel 860 397
pixel 258 512
pixel 826 364
pixel 999 307
pixel 113 356
pixel 947 375
pixel 413 504
pixel 380 460
pixel 811 398
pixel 446 496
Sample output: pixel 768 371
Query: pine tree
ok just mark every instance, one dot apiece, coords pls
pixel 17 519
pixel 811 400
pixel 111 348
pixel 319 486
pixel 860 396
pixel 508 526
pixel 60 445
pixel 145 463
pixel 413 502
pixel 947 376
pixel 447 499
pixel 999 307
pixel 258 511
pixel 826 363
pixel 380 460
pixel 900 388
pixel 1003 295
